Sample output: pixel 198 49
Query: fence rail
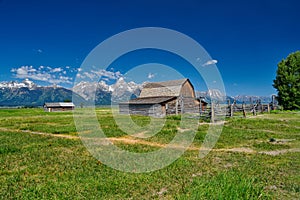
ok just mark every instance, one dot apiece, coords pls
pixel 214 110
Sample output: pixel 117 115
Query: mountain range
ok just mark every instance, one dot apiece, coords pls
pixel 27 93
pixel 106 94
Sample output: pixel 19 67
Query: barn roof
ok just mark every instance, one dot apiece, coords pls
pixel 149 100
pixel 166 83
pixel 163 89
pixel 59 104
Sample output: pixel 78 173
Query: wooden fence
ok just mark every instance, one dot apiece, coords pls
pixel 215 111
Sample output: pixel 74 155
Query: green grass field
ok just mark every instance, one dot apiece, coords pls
pixel 41 157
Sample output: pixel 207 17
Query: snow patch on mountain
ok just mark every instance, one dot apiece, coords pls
pixel 15 84
pixel 212 94
pixel 119 90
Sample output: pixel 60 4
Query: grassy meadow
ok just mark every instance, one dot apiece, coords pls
pixel 41 157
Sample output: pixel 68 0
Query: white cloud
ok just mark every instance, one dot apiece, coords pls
pixel 105 79
pixel 80 76
pixel 99 74
pixel 150 76
pixel 89 75
pixel 46 74
pixel 108 74
pixel 39 51
pixel 40 77
pixel 210 62
pixel 58 69
pixel 24 71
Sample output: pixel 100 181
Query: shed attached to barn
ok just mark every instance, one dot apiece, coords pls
pixel 163 98
pixel 59 106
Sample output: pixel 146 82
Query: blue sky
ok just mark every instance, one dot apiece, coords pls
pixel 48 40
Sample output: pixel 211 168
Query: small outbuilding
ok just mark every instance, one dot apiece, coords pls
pixel 163 98
pixel 203 104
pixel 59 106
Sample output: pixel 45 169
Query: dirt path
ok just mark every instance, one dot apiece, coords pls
pixel 127 140
pixel 136 141
pixel 39 133
pixel 278 152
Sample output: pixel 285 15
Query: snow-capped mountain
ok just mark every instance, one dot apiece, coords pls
pixel 123 91
pixel 217 95
pixel 101 92
pixel 212 94
pixel 252 99
pixel 87 89
pixel 121 85
pixel 27 93
pixel 15 84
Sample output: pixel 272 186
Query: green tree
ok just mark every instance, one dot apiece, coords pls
pixel 287 82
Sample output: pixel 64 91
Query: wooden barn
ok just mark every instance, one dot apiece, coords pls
pixel 59 106
pixel 163 98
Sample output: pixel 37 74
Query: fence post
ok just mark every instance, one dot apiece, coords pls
pixel 268 108
pixel 254 110
pixel 200 107
pixel 231 110
pixel 176 108
pixel 182 104
pixel 244 111
pixel 228 102
pixel 273 102
pixel 212 112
